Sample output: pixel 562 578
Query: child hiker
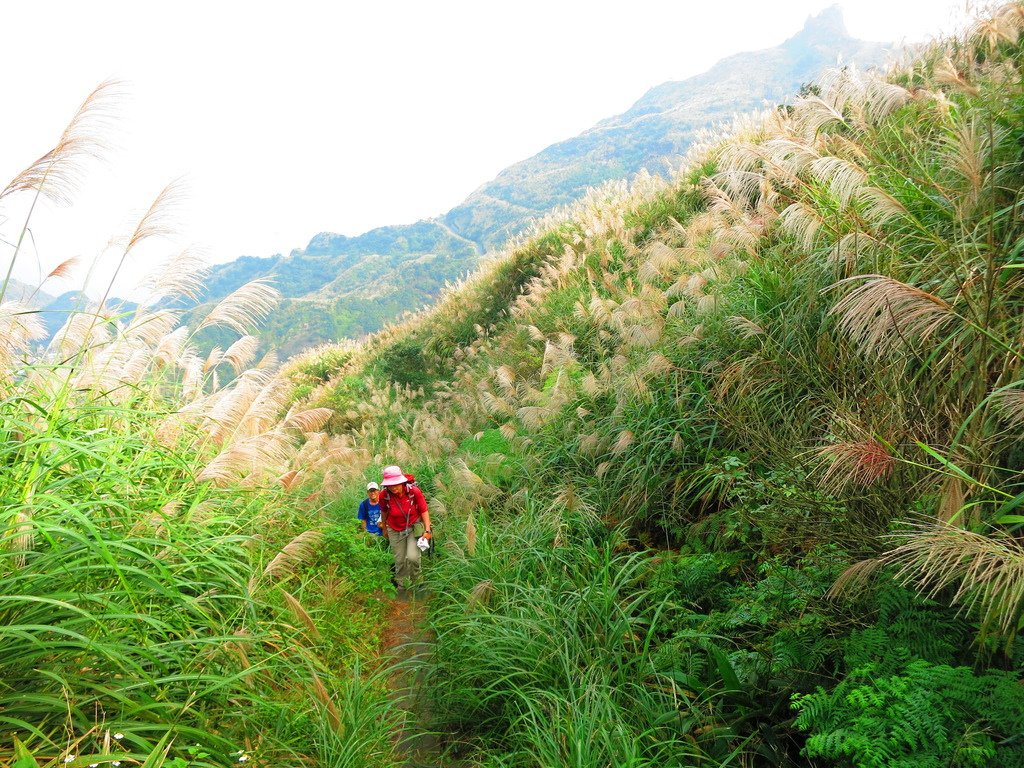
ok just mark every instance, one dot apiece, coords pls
pixel 369 510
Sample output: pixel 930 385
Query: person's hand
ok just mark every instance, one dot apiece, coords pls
pixel 427 534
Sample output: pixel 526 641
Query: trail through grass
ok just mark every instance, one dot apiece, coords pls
pixel 407 646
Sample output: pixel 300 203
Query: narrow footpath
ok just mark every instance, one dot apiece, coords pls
pixel 406 644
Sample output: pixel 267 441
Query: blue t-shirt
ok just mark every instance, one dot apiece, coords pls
pixel 371 514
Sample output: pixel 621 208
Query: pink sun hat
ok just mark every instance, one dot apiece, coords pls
pixel 393 476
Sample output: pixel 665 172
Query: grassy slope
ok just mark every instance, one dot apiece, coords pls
pixel 346 287
pixel 656 433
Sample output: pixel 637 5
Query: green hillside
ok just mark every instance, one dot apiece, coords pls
pixel 726 470
pixel 349 286
pixel 655 133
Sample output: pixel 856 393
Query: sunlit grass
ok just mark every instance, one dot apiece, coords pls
pixel 149 507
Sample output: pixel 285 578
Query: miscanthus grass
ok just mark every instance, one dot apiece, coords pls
pixel 147 500
pixel 810 338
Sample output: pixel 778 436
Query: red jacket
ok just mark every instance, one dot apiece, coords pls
pixel 401 512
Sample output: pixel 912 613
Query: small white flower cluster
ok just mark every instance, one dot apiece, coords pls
pixel 115 763
pixel 243 756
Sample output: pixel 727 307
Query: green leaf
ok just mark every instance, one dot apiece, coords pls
pixel 22 757
pixel 946 463
pixel 1010 520
pixel 1008 506
pixel 159 754
pixel 725 670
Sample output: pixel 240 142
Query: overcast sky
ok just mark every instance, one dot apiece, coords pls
pixel 288 119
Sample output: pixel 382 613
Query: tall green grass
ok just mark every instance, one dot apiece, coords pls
pixel 156 516
pixel 544 636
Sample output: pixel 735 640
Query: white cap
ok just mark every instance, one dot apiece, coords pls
pixel 372 487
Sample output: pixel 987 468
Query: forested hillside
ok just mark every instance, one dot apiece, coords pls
pixel 726 470
pixel 345 287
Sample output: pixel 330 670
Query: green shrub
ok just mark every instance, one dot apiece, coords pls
pixel 358 557
pixel 403 363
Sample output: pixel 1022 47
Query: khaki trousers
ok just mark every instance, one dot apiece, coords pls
pixel 407 557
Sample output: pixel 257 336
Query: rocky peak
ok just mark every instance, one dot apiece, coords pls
pixel 825 28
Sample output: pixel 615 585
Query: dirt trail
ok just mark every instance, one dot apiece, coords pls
pixel 406 641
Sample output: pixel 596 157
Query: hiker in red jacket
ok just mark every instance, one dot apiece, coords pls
pixel 403 511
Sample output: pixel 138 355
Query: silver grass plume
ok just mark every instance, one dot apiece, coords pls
pixel 159 218
pixel 843 178
pixel 265 408
pixel 227 407
pixel 883 315
pixel 80 333
pixel 308 420
pixel 967 151
pixel 791 156
pixel 803 222
pixel 505 378
pixel 986 571
pixel 299 612
pixel 662 260
pixel 861 463
pixel 812 114
pixel 151 327
pixel 245 308
pixel 169 350
pixel 878 206
pixel 481 594
pixel 182 277
pixel 471 535
pixel 945 72
pixel 292 555
pixel 213 359
pixel 883 98
pixel 241 353
pixel 1004 26
pixel 1010 405
pixel 268 453
pixel 19 327
pixel 56 174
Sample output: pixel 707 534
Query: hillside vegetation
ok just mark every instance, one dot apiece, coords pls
pixel 726 470
pixel 346 287
pixel 153 521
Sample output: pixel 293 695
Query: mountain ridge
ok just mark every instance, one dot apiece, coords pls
pixel 334 273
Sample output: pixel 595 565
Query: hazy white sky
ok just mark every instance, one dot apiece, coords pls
pixel 288 119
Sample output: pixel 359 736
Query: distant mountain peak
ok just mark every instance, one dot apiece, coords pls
pixel 827 26
pixel 349 286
